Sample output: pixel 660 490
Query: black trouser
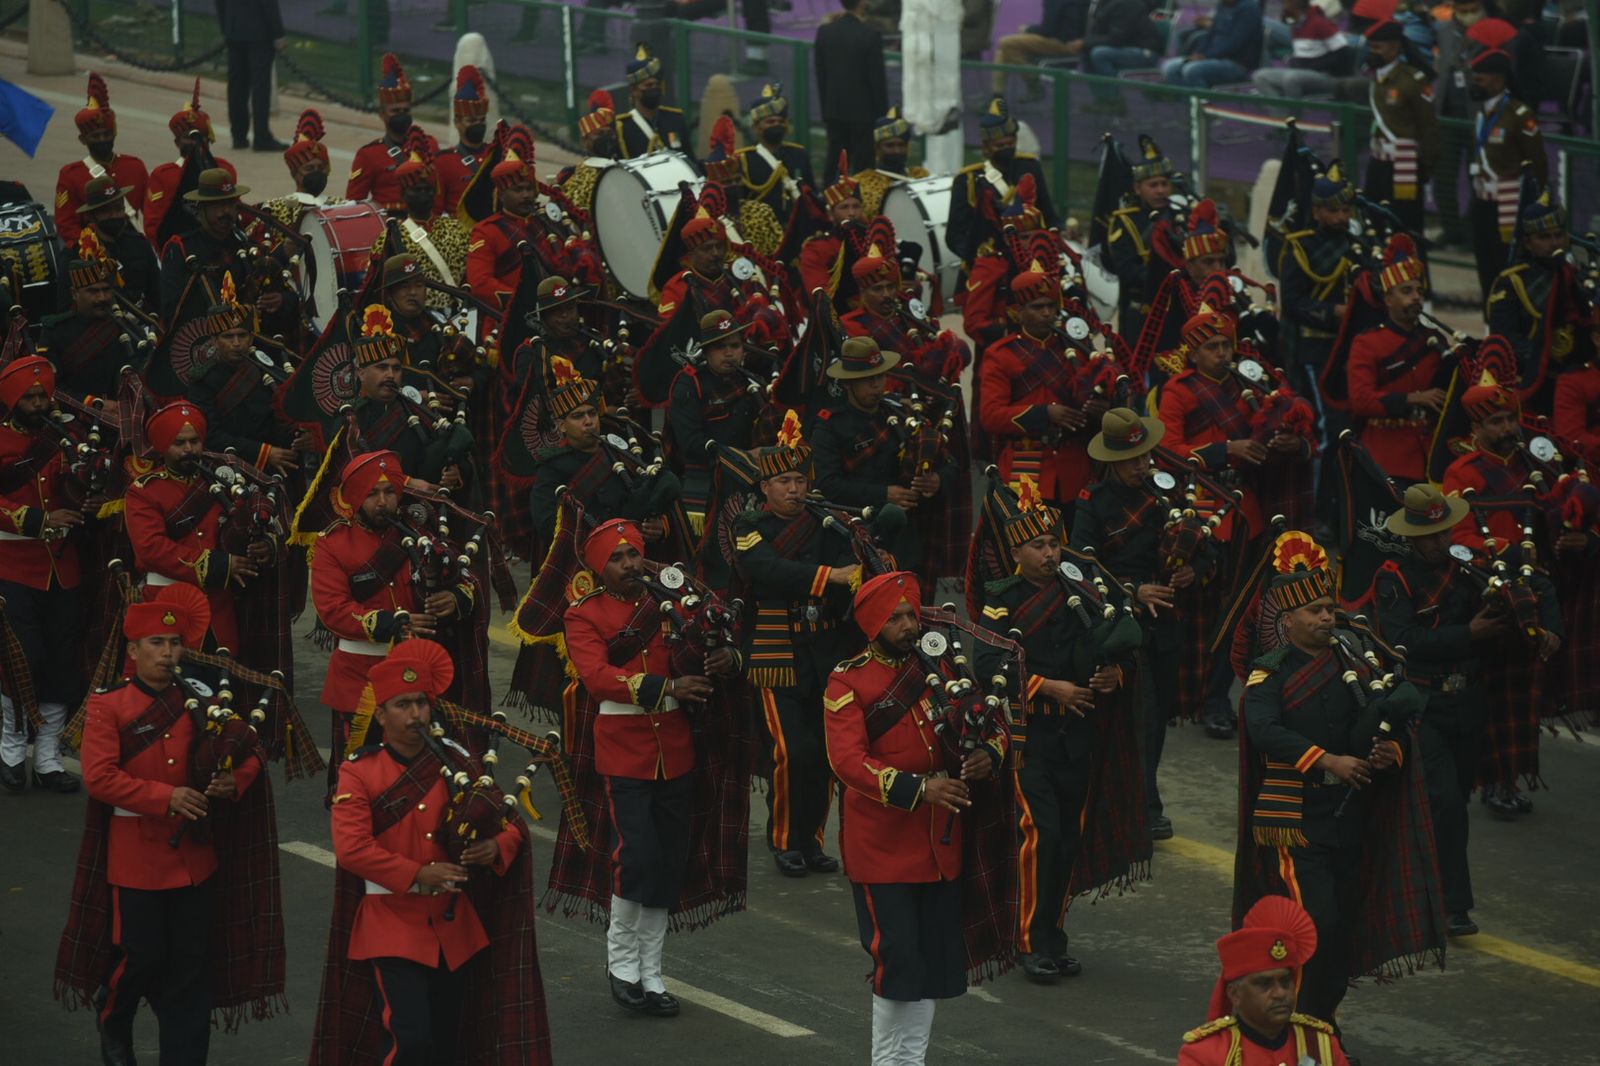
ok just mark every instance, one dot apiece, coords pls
pixel 913 933
pixel 802 780
pixel 160 940
pixel 1489 251
pixel 1052 786
pixel 848 136
pixel 649 838
pixel 1160 661
pixel 421 1012
pixel 1327 882
pixel 49 626
pixel 1451 731
pixel 250 89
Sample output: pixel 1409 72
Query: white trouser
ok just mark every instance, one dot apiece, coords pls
pixel 652 939
pixel 46 745
pixel 622 940
pixel 901 1031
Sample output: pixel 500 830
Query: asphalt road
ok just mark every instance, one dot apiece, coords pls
pixel 784 982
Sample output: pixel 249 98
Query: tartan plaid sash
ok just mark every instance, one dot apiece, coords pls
pixel 903 693
pixel 25 469
pixel 795 537
pixel 1039 608
pixel 1043 367
pixel 379 569
pixel 590 476
pixel 1404 358
pixel 408 790
pixel 382 433
pixel 1276 818
pixel 771 662
pixel 1133 522
pixel 624 646
pixel 864 451
pixel 240 384
pixel 165 709
pixel 191 510
pixel 1219 404
pixel 83 353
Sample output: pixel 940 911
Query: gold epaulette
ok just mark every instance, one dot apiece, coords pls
pixel 971 168
pixel 155 475
pixel 1311 1023
pixel 1227 1021
pixel 852 663
pixel 591 594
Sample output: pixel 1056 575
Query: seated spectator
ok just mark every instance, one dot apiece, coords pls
pixel 1227 48
pixel 1319 54
pixel 1122 36
pixel 1058 36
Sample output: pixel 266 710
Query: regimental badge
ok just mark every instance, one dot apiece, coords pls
pixel 408 675
pixel 1280 950
pixel 169 619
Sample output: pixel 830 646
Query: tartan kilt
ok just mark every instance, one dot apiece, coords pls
pixel 719 816
pixel 1114 848
pixel 1513 691
pixel 1199 607
pixel 991 888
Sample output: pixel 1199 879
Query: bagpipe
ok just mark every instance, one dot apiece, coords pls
pixel 616 357
pixel 1370 670
pixel 1275 408
pixel 88 456
pixel 1506 591
pixel 477 809
pixel 228 738
pixel 852 523
pixel 253 505
pixel 642 471
pixel 1189 528
pixel 1111 629
pixel 923 425
pixel 441 556
pixel 700 623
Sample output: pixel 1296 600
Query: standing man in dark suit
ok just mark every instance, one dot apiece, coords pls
pixel 254 32
pixel 853 84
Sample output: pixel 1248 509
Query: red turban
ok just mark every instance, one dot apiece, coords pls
pixel 882 596
pixel 163 427
pixel 413 666
pixel 181 609
pixel 608 538
pixel 1205 324
pixel 1276 934
pixel 21 375
pixel 362 474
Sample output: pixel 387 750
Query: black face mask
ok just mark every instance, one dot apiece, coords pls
pixel 1477 92
pixel 606 148
pixel 112 228
pixel 419 201
pixel 1003 157
pixel 103 151
pixel 651 99
pixel 773 135
pixel 398 124
pixel 314 182
pixel 894 163
pixel 473 134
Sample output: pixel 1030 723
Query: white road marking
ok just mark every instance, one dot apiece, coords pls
pixel 321 856
pixel 737 1011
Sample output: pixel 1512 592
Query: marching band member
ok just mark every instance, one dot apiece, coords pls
pixel 97 132
pixel 85 342
pixel 138 271
pixel 1144 240
pixel 456 165
pixel 891 146
pixel 372 173
pixel 595 128
pixel 773 169
pixel 712 404
pixel 435 240
pixel 218 246
pixel 1539 304
pixel 821 253
pixel 189 125
pixel 307 160
pixel 982 190
pixel 650 126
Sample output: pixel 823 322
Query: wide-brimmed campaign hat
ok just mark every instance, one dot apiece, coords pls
pixel 860 357
pixel 216 185
pixel 1124 434
pixel 1426 510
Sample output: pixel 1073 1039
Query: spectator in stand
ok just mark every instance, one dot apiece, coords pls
pixel 1227 48
pixel 1122 36
pixel 1319 55
pixel 1059 35
pixel 853 84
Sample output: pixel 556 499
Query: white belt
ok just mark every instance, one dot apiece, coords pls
pixel 6 535
pixel 375 889
pixel 613 707
pixel 158 580
pixel 363 647
pixel 123 812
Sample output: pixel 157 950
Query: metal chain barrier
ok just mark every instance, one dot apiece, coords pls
pixel 123 57
pixel 560 140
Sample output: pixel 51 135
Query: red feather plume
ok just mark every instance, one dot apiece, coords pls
pixel 310 126
pixel 99 92
pixel 392 67
pixel 1027 191
pixel 713 199
pixel 1204 213
pixel 520 141
pixel 418 144
pixel 601 100
pixel 1494 357
pixel 722 134
pixel 1401 246
pixel 471 75
pixel 879 231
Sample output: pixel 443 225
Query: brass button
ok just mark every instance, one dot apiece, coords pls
pixel 427 836
pixel 422 806
pixel 172 762
pixel 166 736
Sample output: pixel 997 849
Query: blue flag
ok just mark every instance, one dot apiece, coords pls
pixel 23 117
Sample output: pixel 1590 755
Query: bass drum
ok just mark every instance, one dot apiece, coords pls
pixel 919 210
pixel 1102 284
pixel 31 257
pixel 341 249
pixel 634 200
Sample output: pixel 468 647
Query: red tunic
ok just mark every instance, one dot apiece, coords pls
pixel 1202 415
pixel 365 628
pixel 1015 416
pixel 654 745
pixel 749 305
pixel 983 305
pixel 818 256
pixel 74 179
pixel 194 559
pixel 455 168
pixel 139 852
pixel 1488 475
pixel 1398 442
pixel 163 189
pixel 494 262
pixel 393 921
pixel 1577 411
pixel 1212 1045
pixel 372 173
pixel 890 835
pixel 24 557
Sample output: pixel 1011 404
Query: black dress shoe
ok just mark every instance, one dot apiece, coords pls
pixel 629 995
pixel 1219 729
pixel 1460 925
pixel 116 1050
pixel 1523 804
pixel 1069 966
pixel 55 781
pixel 1502 804
pixel 1040 967
pixel 661 1004
pixel 1161 827
pixel 790 863
pixel 268 144
pixel 14 778
pixel 240 146
pixel 819 862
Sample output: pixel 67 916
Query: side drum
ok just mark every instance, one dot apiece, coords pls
pixel 634 200
pixel 341 250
